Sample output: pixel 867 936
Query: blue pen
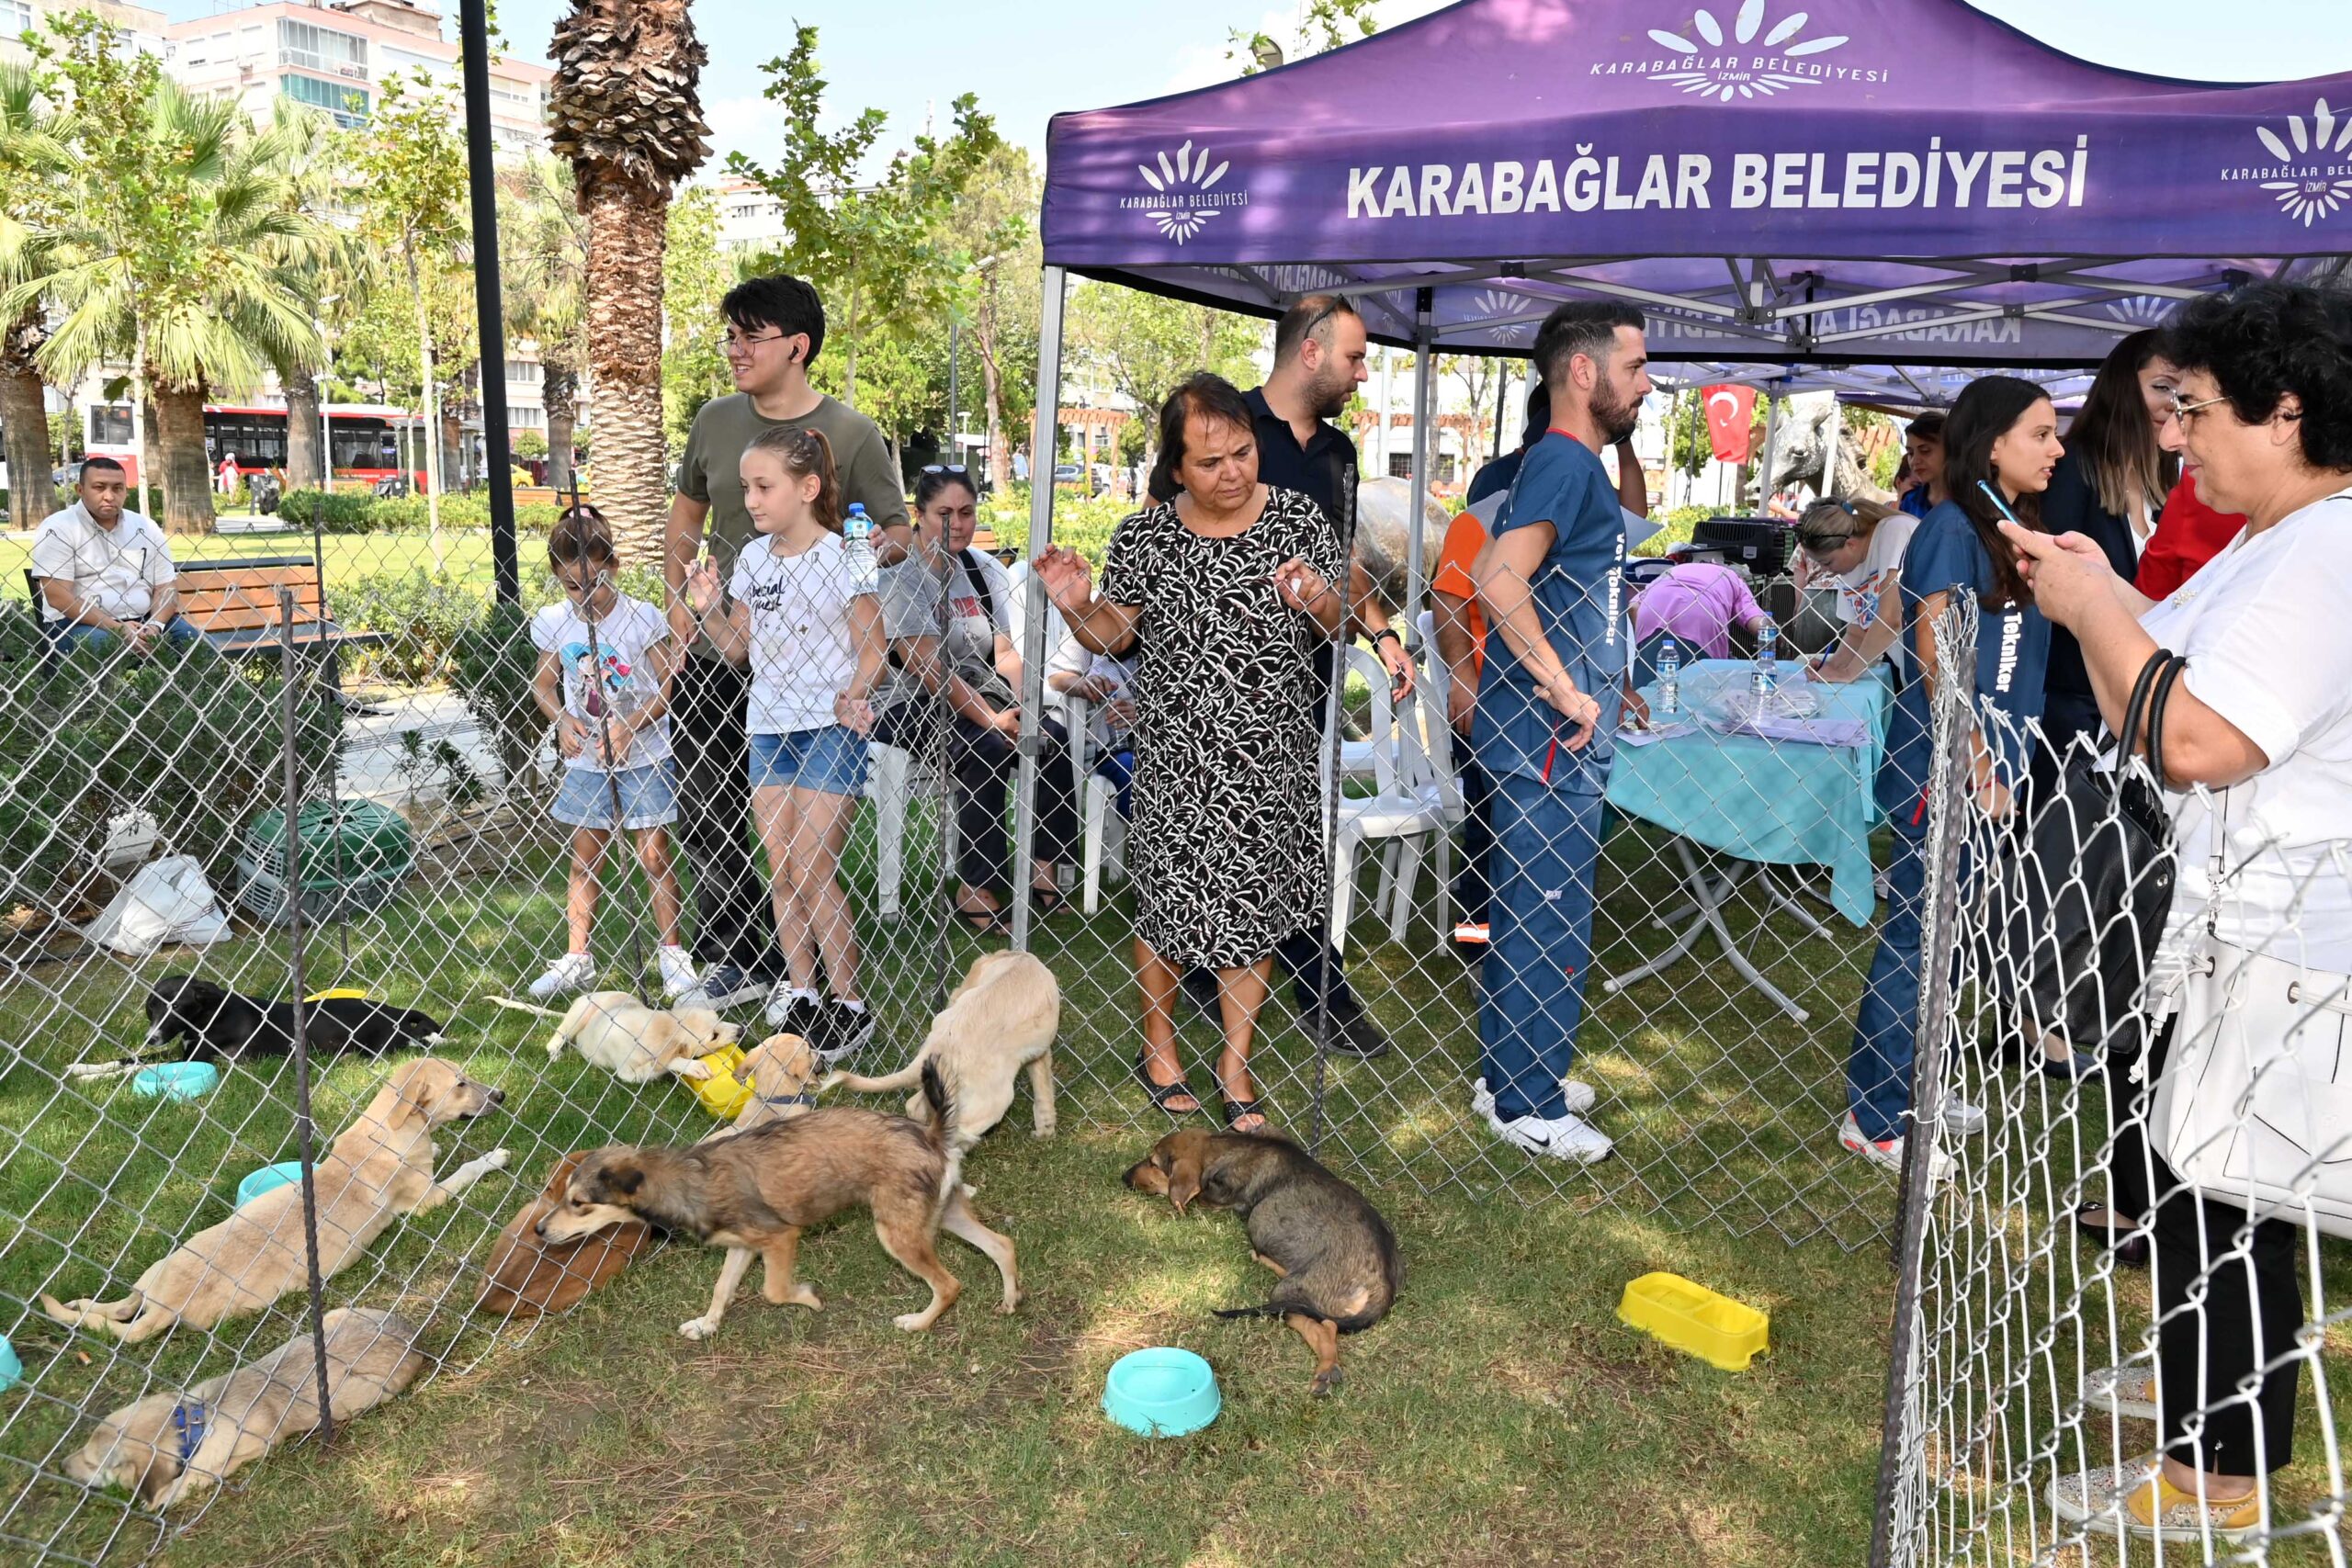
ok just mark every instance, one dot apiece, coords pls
pixel 1998 504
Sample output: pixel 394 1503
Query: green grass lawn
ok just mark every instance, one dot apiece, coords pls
pixel 1500 1415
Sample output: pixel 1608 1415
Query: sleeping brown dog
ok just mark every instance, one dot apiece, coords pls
pixel 529 1275
pixel 1335 1258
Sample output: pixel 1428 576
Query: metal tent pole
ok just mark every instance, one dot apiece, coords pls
pixel 1764 465
pixel 1424 337
pixel 473 29
pixel 1831 439
pixel 1042 447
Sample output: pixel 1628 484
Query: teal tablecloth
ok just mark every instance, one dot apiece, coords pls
pixel 1777 802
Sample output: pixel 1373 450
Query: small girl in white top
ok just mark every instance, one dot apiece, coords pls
pixel 814 643
pixel 604 680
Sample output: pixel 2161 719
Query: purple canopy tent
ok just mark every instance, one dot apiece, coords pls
pixel 1890 182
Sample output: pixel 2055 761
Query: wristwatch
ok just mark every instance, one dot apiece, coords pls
pixel 1389 632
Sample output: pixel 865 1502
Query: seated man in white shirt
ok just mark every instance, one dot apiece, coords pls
pixel 106 573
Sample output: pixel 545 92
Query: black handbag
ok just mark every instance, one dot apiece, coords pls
pixel 2090 886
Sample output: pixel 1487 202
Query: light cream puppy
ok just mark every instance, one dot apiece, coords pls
pixel 636 1044
pixel 1002 1019
pixel 380 1168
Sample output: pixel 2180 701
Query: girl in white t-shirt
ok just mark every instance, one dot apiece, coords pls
pixel 793 611
pixel 604 680
pixel 1857 547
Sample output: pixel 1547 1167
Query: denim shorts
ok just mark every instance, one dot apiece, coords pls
pixel 831 760
pixel 648 797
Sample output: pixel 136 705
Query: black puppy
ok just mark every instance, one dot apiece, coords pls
pixel 1336 1257
pixel 209 1023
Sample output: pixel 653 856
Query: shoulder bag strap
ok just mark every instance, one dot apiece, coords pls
pixel 978 576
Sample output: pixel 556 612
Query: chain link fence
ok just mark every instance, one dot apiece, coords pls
pixel 2138 1256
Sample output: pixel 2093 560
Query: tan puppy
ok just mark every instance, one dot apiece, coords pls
pixel 378 1169
pixel 779 1070
pixel 636 1044
pixel 1002 1019
pixel 167 1445
pixel 755 1192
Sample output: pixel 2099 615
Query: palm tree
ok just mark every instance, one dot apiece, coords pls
pixel 207 300
pixel 624 112
pixel 330 267
pixel 34 166
pixel 546 239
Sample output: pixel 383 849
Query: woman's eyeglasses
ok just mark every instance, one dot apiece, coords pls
pixel 2185 412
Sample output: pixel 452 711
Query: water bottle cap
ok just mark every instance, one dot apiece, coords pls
pixel 857 509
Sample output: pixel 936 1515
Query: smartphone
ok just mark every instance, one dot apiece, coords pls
pixel 1999 505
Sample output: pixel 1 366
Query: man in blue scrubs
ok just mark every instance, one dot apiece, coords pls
pixel 1550 700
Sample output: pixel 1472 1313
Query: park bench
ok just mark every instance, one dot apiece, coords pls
pixel 233 602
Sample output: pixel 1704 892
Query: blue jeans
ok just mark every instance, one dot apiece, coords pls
pixel 1878 1071
pixel 1545 859
pixel 80 634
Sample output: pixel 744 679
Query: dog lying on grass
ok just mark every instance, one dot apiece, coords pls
pixel 378 1169
pixel 753 1192
pixel 209 1023
pixel 634 1043
pixel 1334 1258
pixel 1000 1019
pixel 527 1277
pixel 167 1445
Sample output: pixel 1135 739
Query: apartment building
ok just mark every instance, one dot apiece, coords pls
pixel 145 26
pixel 337 55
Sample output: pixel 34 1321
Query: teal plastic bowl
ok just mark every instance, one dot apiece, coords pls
pixel 268 1179
pixel 12 1370
pixel 176 1080
pixel 1161 1392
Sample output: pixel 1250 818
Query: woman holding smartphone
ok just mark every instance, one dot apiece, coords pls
pixel 2000 447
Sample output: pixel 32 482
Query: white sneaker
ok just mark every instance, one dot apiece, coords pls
pixel 1962 1117
pixel 2127 1389
pixel 1580 1096
pixel 678 976
pixel 572 972
pixel 1562 1137
pixel 1887 1153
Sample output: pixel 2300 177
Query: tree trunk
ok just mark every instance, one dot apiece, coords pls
pixel 626 241
pixel 559 391
pixel 849 360
pixel 431 411
pixel 984 333
pixel 188 472
pixel 303 452
pixel 25 419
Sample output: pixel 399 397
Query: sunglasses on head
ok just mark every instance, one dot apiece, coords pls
pixel 957 468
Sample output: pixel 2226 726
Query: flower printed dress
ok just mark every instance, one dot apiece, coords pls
pixel 1226 846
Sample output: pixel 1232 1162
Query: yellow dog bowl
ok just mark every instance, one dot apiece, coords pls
pixel 722 1094
pixel 340 994
pixel 1719 1331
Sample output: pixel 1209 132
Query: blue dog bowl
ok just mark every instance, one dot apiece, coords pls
pixel 1161 1392
pixel 176 1080
pixel 268 1179
pixel 11 1368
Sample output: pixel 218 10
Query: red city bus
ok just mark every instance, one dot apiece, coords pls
pixel 371 440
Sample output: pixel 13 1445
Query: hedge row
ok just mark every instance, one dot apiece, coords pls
pixel 344 513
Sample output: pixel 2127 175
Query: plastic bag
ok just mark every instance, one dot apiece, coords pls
pixel 166 902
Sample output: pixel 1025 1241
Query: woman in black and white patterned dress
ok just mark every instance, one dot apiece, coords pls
pixel 1227 589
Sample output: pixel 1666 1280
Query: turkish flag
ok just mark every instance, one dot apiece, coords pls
pixel 1731 416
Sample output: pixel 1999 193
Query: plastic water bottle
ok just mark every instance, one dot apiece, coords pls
pixel 1766 679
pixel 1669 680
pixel 857 543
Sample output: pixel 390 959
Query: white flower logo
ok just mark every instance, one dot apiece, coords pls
pixel 2308 198
pixel 1181 216
pixel 1750 84
pixel 2142 310
pixel 1492 304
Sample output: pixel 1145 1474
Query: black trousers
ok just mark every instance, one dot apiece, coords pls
pixel 734 922
pixel 984 764
pixel 1472 886
pixel 2251 1307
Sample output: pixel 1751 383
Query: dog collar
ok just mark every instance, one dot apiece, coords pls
pixel 803 1098
pixel 188 1419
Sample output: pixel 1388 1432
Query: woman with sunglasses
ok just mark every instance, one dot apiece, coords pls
pixel 2257 741
pixel 2001 440
pixel 1859 547
pixel 947 611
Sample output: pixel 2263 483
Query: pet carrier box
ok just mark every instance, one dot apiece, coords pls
pixel 353 856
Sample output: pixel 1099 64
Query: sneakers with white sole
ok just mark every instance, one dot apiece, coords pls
pixel 2129 1389
pixel 1561 1137
pixel 2133 1500
pixel 678 974
pixel 574 972
pixel 1578 1095
pixel 1887 1153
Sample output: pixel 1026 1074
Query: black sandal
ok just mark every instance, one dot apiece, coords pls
pixel 1235 1109
pixel 983 922
pixel 1045 900
pixel 1161 1093
pixel 2128 1242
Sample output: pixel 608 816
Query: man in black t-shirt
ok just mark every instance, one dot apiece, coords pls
pixel 1320 349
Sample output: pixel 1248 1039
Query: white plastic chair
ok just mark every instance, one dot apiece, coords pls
pixel 892 778
pixel 1105 829
pixel 1412 807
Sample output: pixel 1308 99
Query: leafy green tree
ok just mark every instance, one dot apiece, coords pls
pixel 35 170
pixel 882 255
pixel 1141 344
pixel 695 276
pixel 177 248
pixel 997 299
pixel 544 239
pixel 1324 24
